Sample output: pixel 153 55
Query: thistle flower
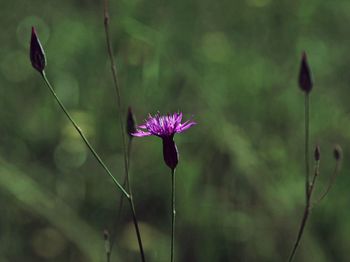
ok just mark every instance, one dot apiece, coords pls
pixel 165 127
pixel 37 54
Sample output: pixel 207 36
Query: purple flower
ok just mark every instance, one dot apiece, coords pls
pixel 165 127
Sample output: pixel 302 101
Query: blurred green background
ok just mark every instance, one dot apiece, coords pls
pixel 233 66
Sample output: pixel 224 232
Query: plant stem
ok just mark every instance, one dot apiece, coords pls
pixel 117 89
pixel 301 230
pixel 173 214
pixel 307 157
pixel 121 201
pixel 331 181
pixel 98 158
pixel 306 211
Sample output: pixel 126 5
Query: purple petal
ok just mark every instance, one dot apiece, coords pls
pixel 178 119
pixel 141 133
pixel 185 126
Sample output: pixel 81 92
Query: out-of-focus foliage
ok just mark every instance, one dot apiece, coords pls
pixel 240 181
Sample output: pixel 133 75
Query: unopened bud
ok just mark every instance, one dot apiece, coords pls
pixel 37 54
pixel 107 242
pixel 317 153
pixel 337 152
pixel 130 123
pixel 305 81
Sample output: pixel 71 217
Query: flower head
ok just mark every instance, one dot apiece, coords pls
pixel 163 126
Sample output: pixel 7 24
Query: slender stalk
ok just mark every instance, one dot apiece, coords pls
pixel 121 201
pixel 173 214
pixel 331 181
pixel 307 210
pixel 301 230
pixel 107 246
pixel 307 157
pixel 98 158
pixel 137 229
pixel 316 173
pixel 117 89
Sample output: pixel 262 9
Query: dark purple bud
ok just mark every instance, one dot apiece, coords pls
pixel 305 81
pixel 170 153
pixel 130 123
pixel 317 153
pixel 337 152
pixel 37 54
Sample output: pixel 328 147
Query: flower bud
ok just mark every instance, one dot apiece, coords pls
pixel 305 81
pixel 130 123
pixel 107 241
pixel 170 153
pixel 337 152
pixel 37 54
pixel 317 153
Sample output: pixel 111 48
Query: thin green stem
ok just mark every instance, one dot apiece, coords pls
pixel 173 214
pixel 118 97
pixel 301 230
pixel 316 173
pixel 307 210
pixel 137 229
pixel 307 157
pixel 98 158
pixel 331 181
pixel 121 201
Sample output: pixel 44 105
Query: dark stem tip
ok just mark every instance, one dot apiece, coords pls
pixel 305 79
pixel 337 152
pixel 317 153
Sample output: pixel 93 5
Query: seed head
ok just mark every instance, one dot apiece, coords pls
pixel 305 81
pixel 37 54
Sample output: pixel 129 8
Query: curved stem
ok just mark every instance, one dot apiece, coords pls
pixel 137 229
pixel 99 160
pixel 301 230
pixel 121 201
pixel 331 181
pixel 308 187
pixel 118 97
pixel 306 211
pixel 173 215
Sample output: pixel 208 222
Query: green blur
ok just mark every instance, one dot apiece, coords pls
pixel 233 67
